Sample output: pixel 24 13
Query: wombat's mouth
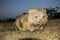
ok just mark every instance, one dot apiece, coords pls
pixel 28 39
pixel 36 24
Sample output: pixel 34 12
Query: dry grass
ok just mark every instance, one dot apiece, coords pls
pixel 50 32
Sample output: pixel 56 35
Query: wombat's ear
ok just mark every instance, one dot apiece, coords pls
pixel 30 11
pixel 43 10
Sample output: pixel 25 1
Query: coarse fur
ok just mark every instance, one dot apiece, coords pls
pixel 34 19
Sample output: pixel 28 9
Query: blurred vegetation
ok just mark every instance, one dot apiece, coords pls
pixel 53 13
pixel 7 20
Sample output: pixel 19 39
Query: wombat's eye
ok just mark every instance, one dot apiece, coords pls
pixel 35 16
pixel 43 17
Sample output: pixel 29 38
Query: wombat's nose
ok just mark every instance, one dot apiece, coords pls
pixel 28 39
pixel 40 19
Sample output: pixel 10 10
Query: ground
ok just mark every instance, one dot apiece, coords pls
pixel 50 32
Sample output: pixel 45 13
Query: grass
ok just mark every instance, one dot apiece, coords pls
pixel 50 32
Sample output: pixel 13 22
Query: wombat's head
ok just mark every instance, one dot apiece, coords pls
pixel 37 16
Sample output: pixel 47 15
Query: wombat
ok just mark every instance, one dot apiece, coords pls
pixel 34 19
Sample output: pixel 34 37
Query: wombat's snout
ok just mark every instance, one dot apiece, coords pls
pixel 28 39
